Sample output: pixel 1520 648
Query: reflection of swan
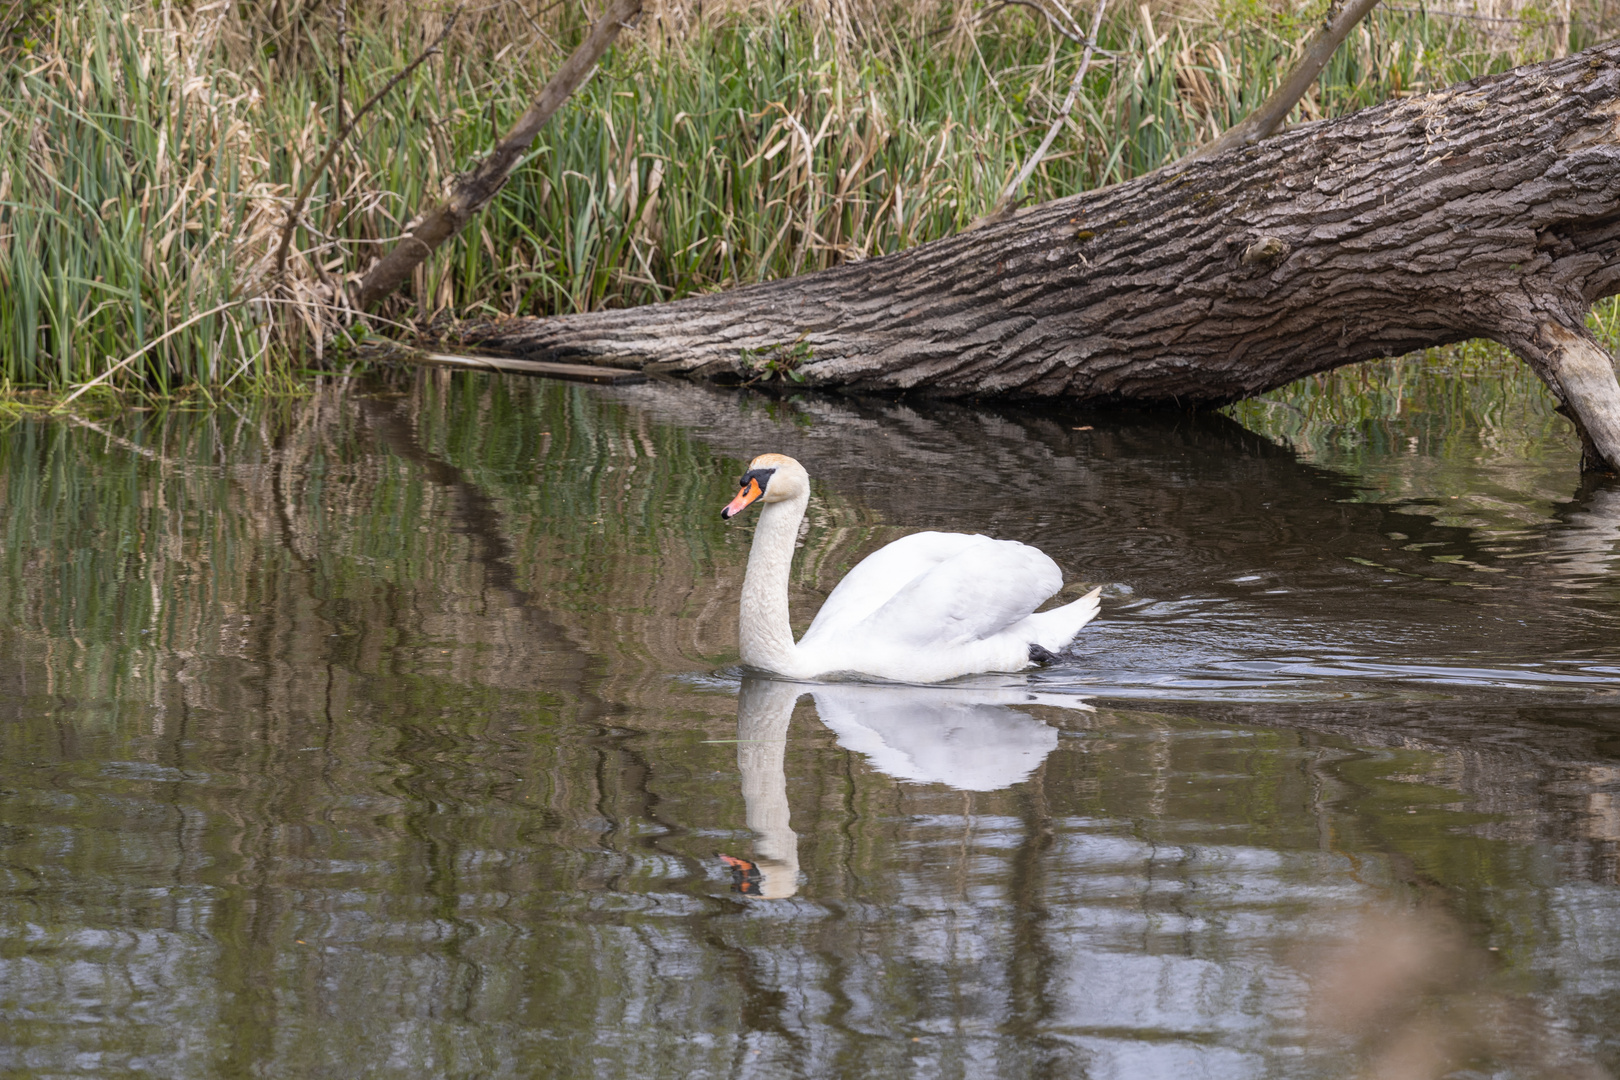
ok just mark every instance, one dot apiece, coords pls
pixel 764 708
pixel 927 607
pixel 966 737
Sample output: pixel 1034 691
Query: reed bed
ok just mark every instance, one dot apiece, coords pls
pixel 128 182
pixel 149 154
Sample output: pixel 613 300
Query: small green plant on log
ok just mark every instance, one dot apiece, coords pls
pixel 775 363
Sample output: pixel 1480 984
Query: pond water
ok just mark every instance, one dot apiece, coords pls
pixel 397 731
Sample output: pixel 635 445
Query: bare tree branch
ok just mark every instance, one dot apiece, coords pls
pixel 1065 26
pixel 474 189
pixel 344 130
pixel 1003 203
pixel 1340 20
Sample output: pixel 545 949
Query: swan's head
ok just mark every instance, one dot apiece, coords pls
pixel 770 478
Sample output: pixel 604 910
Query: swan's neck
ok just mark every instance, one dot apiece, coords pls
pixel 766 636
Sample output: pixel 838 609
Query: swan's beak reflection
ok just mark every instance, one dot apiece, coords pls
pixel 745 876
pixel 748 494
pixel 970 738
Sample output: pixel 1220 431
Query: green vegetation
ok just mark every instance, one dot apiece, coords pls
pixel 149 153
pixel 126 186
pixel 779 363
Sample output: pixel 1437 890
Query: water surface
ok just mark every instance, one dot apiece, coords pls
pixel 397 731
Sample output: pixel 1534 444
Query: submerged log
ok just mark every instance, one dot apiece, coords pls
pixel 1490 209
pixel 587 373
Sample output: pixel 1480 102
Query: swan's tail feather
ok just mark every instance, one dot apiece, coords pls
pixel 1056 628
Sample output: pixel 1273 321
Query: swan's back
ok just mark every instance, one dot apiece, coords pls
pixel 935 590
pixel 883 573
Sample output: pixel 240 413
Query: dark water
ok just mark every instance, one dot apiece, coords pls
pixel 396 732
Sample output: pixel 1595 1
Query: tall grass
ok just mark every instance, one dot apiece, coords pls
pixel 128 183
pixel 148 155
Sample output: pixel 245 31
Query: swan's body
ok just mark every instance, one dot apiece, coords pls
pixel 927 607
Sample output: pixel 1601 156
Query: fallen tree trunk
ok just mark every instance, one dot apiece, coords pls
pixel 1490 209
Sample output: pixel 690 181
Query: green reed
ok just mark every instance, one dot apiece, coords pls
pixel 122 202
pixel 147 163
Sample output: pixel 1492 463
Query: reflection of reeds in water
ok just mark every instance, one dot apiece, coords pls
pixel 1471 429
pixel 602 520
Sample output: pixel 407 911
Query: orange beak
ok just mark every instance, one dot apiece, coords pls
pixel 748 494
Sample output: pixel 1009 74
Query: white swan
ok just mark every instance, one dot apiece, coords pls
pixel 928 607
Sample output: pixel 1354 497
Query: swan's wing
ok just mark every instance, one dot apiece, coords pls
pixel 878 577
pixel 968 597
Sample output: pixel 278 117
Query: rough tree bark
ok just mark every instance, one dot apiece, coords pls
pixel 1490 209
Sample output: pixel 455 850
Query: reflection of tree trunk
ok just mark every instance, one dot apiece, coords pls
pixel 623 777
pixel 1491 209
pixel 1199 491
pixel 1590 542
pixel 480 520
